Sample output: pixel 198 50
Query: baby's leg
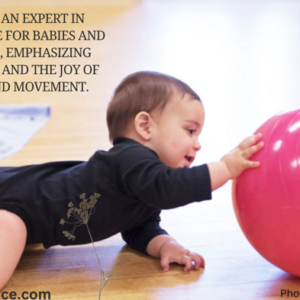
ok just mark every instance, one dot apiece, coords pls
pixel 13 235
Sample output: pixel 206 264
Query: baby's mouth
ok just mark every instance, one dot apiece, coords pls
pixel 190 159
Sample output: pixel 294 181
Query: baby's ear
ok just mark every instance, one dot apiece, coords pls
pixel 142 125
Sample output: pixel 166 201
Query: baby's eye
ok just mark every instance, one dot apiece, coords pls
pixel 191 131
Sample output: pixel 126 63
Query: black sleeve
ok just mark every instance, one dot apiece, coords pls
pixel 144 176
pixel 139 237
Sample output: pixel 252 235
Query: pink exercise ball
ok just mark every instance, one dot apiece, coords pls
pixel 266 200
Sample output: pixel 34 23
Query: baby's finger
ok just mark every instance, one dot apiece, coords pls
pixel 198 260
pixel 249 141
pixel 253 149
pixel 251 164
pixel 165 262
pixel 187 262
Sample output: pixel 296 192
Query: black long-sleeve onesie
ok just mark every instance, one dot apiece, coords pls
pixel 134 185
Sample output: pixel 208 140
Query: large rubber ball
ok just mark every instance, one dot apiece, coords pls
pixel 267 199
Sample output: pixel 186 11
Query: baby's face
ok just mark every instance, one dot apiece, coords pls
pixel 175 132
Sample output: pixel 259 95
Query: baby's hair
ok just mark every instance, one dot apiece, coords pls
pixel 142 91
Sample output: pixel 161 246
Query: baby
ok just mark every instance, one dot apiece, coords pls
pixel 154 121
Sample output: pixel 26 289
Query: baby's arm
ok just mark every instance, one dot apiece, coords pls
pixel 149 238
pixel 235 162
pixel 169 251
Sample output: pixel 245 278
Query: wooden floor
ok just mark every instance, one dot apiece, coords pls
pixel 242 57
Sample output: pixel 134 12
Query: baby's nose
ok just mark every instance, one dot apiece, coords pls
pixel 197 146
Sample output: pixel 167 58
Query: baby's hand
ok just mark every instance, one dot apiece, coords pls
pixel 237 160
pixel 172 252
